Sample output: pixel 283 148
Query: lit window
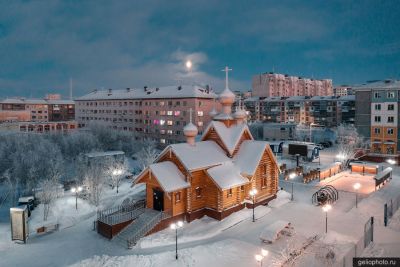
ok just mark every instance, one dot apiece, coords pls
pixel 162 141
pixel 200 123
pixel 162 131
pixel 177 113
pixel 169 132
pixel 170 123
pixel 156 122
pixel 200 113
pixel 162 112
pixel 162 103
pixel 169 112
pixel 162 122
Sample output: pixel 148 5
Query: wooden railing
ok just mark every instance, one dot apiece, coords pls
pixel 121 213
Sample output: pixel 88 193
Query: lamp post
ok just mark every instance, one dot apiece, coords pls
pixel 175 226
pixel 76 190
pixel 259 257
pixel 292 176
pixel 356 186
pixel 253 193
pixel 326 208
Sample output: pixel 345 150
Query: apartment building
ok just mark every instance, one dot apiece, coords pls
pixel 328 111
pixel 274 84
pixel 36 110
pixel 155 113
pixel 378 115
pixel 342 90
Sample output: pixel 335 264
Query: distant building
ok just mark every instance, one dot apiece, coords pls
pixel 377 115
pixel 279 131
pixel 39 127
pixel 342 90
pixel 155 113
pixel 36 110
pixel 274 84
pixel 328 111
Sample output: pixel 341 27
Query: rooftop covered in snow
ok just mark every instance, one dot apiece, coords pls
pixel 169 176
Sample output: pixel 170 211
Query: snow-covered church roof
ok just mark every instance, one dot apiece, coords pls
pixel 230 136
pixel 227 175
pixel 249 155
pixel 169 176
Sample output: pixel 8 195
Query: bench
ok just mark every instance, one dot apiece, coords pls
pixel 48 228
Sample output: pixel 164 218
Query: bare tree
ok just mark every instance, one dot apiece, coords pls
pixel 94 179
pixel 116 170
pixel 48 192
pixel 349 141
pixel 148 154
pixel 302 132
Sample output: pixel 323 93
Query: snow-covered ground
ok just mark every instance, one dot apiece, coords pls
pixel 231 242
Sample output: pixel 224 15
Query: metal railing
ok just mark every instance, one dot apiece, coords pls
pixel 147 228
pixel 121 213
pixel 390 209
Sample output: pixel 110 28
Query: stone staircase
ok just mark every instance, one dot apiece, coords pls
pixel 146 221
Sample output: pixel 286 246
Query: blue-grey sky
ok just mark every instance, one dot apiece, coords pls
pixel 118 44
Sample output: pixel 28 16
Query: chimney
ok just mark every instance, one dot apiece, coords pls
pixel 145 88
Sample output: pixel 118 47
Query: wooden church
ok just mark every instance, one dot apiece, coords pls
pixel 214 176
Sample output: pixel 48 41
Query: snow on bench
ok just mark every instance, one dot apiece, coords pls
pixel 273 231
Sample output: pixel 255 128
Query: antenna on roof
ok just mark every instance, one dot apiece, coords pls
pixel 70 88
pixel 226 69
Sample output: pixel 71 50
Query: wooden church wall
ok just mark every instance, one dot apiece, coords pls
pixel 209 192
pixel 271 175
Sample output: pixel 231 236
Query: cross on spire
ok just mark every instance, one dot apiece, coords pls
pixel 226 69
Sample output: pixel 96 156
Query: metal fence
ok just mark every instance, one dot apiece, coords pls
pixel 359 246
pixel 121 213
pixel 390 209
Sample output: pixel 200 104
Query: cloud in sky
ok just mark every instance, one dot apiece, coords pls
pixel 118 44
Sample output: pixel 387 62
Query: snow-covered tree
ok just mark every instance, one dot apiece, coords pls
pixel 302 132
pixel 148 154
pixel 349 141
pixel 116 171
pixel 94 178
pixel 47 193
pixel 256 129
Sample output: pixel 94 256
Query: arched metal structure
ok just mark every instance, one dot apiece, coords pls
pixel 325 195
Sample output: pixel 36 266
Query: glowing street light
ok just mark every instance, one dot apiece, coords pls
pixel 326 208
pixel 259 257
pixel 76 190
pixel 175 226
pixel 356 186
pixel 391 161
pixel 253 193
pixel 117 172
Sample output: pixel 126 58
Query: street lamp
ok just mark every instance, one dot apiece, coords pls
pixel 356 186
pixel 76 190
pixel 117 172
pixel 391 161
pixel 175 226
pixel 259 257
pixel 326 208
pixel 292 176
pixel 189 64
pixel 253 193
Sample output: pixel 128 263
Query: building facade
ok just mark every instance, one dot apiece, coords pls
pixel 273 85
pixel 155 113
pixel 36 110
pixel 342 90
pixel 377 115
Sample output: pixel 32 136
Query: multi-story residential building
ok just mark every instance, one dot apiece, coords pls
pixel 154 113
pixel 273 84
pixel 36 110
pixel 378 115
pixel 326 111
pixel 342 90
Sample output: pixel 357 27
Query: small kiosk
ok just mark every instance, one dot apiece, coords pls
pixel 364 168
pixel 19 223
